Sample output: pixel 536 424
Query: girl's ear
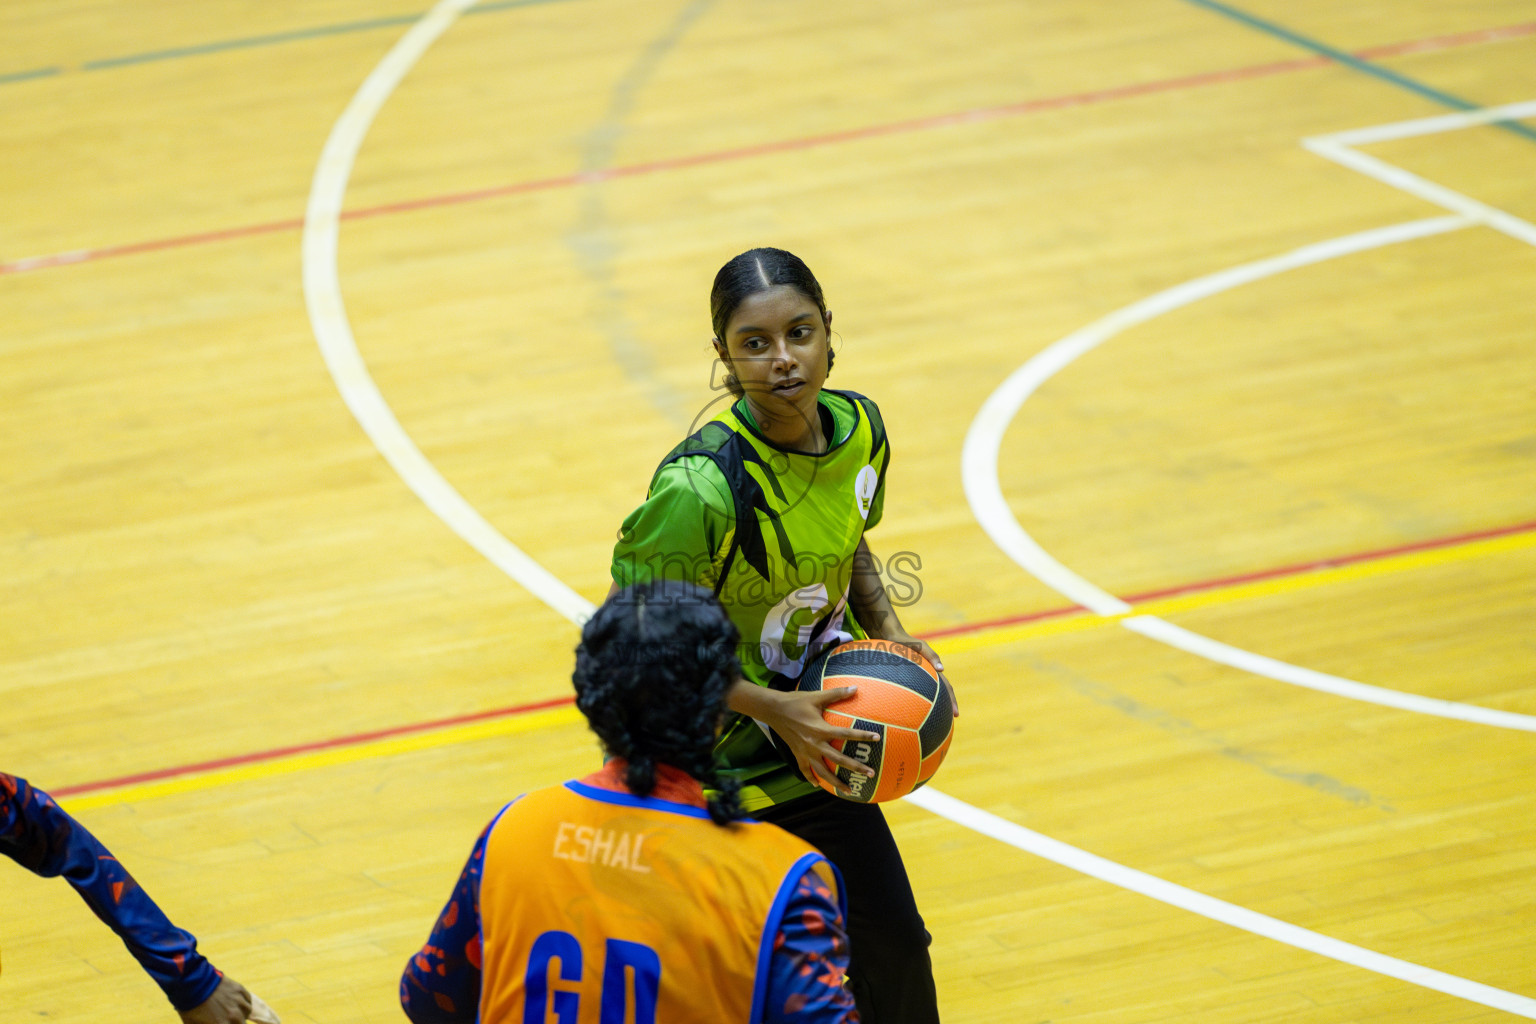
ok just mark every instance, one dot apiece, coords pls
pixel 827 319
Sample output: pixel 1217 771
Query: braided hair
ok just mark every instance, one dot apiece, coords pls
pixel 652 671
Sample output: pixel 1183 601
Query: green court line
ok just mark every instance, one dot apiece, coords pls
pixel 22 76
pixel 506 5
pixel 296 35
pixel 1349 60
pixel 249 42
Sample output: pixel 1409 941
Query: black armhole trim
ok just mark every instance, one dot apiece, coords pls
pixel 733 469
pixel 871 413
pixel 879 444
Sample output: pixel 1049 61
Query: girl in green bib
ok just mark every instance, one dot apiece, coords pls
pixel 767 505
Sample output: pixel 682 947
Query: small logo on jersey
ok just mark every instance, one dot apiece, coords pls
pixel 864 486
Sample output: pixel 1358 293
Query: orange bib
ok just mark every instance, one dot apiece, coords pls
pixel 599 907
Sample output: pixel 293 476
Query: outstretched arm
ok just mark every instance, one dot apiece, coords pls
pixel 37 834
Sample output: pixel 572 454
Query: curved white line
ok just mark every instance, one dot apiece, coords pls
pixel 983 442
pixel 1218 910
pixel 328 315
pixel 1214 650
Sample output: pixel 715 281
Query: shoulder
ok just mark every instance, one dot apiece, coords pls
pixel 711 441
pixel 851 400
pixel 852 404
pixel 778 848
pixel 519 802
pixel 708 454
pixel 521 817
pixel 692 481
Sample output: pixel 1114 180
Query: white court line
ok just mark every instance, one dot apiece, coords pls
pixel 1218 910
pixel 328 315
pixel 334 333
pixel 1433 125
pixel 983 442
pixel 1339 147
pixel 1407 181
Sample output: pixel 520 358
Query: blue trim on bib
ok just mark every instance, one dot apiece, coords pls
pixel 776 918
pixel 650 803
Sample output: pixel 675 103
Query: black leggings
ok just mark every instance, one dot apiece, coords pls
pixel 889 971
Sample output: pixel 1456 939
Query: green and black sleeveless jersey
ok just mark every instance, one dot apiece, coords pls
pixel 773 533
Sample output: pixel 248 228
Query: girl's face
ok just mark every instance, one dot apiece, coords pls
pixel 776 344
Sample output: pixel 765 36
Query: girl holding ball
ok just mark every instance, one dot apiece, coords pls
pixel 767 505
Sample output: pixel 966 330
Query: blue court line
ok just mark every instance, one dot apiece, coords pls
pixel 22 76
pixel 277 38
pixel 1349 60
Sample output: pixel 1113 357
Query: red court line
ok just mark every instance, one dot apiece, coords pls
pixel 62 259
pixel 1298 569
pixel 978 115
pixel 1487 35
pixel 307 748
pixel 1333 563
pixel 675 163
pixel 1012 620
pixel 356 739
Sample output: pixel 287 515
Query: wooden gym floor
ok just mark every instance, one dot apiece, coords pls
pixel 1281 646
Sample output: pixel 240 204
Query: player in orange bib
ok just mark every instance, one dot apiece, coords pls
pixel 627 895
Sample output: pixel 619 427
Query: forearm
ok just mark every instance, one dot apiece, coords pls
pixel 871 605
pixel 759 702
pixel 868 600
pixel 37 834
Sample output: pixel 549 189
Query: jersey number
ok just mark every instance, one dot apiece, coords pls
pixel 622 961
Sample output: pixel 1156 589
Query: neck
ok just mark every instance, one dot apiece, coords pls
pixel 672 783
pixel 802 433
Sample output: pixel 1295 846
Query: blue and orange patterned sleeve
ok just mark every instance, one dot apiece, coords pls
pixel 810 959
pixel 441 983
pixel 37 834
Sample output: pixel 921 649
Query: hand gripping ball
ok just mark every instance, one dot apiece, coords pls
pixel 900 697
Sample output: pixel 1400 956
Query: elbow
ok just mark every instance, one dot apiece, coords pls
pixel 425 1006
